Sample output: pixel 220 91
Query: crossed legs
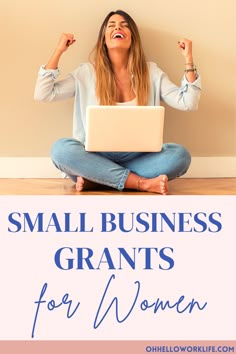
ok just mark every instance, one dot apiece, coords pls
pixel 140 171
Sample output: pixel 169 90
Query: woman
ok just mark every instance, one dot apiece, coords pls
pixel 119 74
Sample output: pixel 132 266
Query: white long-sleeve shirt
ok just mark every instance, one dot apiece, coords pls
pixel 80 84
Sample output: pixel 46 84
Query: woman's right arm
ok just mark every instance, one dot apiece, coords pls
pixel 47 89
pixel 65 41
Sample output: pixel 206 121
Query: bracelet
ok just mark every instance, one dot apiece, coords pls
pixel 192 64
pixel 191 70
pixel 138 183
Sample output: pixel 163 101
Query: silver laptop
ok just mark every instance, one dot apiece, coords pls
pixel 124 128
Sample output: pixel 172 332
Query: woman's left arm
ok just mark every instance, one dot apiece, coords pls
pixel 190 70
pixel 185 97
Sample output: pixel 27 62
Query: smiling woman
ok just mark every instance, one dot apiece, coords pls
pixel 118 28
pixel 118 73
pixel 120 64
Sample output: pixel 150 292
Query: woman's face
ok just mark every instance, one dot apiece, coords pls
pixel 117 33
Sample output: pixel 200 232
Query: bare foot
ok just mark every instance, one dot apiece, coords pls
pixel 155 185
pixel 84 184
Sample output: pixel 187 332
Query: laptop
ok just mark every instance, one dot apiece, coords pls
pixel 124 128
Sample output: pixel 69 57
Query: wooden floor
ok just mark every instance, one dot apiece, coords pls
pixel 52 186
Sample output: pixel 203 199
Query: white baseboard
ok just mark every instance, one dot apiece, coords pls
pixel 42 167
pixel 28 167
pixel 212 167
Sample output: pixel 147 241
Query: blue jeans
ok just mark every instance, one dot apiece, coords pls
pixel 112 168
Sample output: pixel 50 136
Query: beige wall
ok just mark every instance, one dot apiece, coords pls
pixel 29 33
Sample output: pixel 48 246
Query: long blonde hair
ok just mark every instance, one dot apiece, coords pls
pixel 106 90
